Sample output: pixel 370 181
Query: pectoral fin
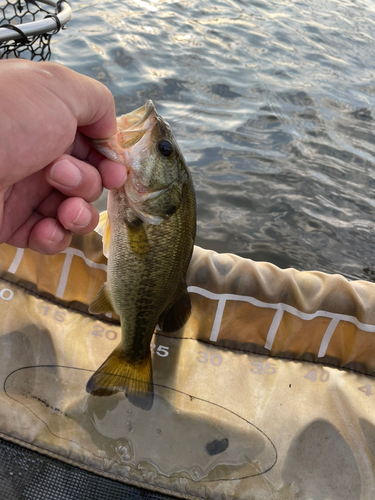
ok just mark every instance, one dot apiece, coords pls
pixel 102 303
pixel 104 229
pixel 118 375
pixel 174 318
pixel 138 237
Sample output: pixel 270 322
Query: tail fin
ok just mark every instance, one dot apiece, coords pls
pixel 116 374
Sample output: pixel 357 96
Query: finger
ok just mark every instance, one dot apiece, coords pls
pixel 82 149
pixel 54 102
pixel 42 235
pixel 21 202
pixel 4 195
pixel 89 100
pixel 74 177
pixel 49 237
pixel 49 206
pixel 78 216
pixel 113 174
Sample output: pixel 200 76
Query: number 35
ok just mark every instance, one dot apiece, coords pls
pixel 269 368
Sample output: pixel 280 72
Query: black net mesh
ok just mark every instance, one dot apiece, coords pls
pixel 17 12
pixel 27 475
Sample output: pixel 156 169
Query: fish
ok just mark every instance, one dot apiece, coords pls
pixel 148 236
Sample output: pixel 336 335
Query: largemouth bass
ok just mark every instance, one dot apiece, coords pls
pixel 148 237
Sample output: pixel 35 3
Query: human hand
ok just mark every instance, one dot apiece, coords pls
pixel 49 173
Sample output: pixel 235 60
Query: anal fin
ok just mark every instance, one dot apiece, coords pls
pixel 117 374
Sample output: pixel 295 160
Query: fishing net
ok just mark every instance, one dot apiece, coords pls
pixel 25 474
pixel 27 27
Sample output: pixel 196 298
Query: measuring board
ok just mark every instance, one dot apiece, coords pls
pixel 267 392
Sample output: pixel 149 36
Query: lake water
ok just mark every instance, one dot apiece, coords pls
pixel 272 103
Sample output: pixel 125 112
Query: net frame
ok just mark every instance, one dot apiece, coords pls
pixel 26 27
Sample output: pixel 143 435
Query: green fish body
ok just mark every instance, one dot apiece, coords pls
pixel 148 237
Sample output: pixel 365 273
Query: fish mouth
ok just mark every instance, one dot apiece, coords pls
pixel 137 118
pixel 131 127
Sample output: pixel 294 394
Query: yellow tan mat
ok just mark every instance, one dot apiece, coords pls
pixel 266 393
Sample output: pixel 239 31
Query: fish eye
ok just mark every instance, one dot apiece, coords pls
pixel 165 147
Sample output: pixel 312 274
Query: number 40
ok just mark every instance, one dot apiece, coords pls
pixel 313 376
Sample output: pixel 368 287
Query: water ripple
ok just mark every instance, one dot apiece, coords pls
pixel 273 105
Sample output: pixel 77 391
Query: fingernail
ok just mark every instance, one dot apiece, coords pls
pixel 7 193
pixel 83 218
pixel 66 173
pixel 123 180
pixel 57 235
